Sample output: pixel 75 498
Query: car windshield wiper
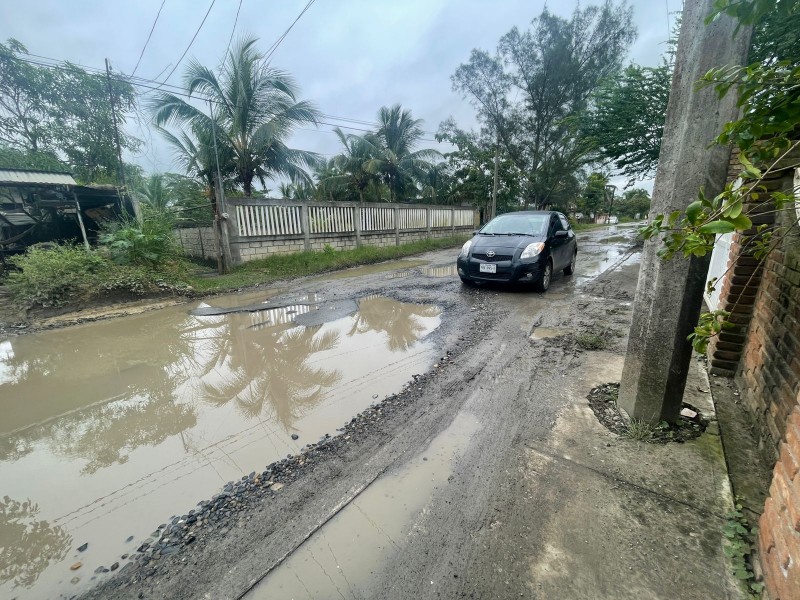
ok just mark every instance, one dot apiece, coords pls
pixel 520 233
pixel 485 233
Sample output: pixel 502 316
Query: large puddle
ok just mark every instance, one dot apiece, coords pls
pixel 109 428
pixel 343 558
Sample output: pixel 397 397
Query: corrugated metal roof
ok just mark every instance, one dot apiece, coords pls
pixel 16 218
pixel 24 176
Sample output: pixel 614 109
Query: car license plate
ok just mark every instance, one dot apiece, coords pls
pixel 487 268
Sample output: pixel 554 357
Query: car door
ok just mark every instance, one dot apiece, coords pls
pixel 559 244
pixel 571 245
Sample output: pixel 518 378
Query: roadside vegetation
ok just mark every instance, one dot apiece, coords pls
pixel 142 261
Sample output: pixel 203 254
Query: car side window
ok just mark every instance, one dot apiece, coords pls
pixel 555 225
pixel 564 222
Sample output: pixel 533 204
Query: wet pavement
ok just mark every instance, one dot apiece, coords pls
pixel 111 427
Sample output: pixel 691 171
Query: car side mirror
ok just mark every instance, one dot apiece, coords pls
pixel 561 233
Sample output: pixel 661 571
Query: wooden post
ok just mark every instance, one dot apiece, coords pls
pixel 80 222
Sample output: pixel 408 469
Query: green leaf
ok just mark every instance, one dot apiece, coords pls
pixel 693 211
pixel 717 227
pixel 742 222
pixel 734 209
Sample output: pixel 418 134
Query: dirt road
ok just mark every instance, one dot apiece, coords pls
pixel 422 494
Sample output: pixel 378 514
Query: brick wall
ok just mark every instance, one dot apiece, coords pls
pixel 779 527
pixel 764 353
pixel 197 242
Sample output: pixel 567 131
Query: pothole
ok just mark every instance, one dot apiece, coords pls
pixel 603 402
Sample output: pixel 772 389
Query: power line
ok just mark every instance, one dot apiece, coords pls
pixel 194 37
pixel 230 39
pixel 271 50
pixel 141 54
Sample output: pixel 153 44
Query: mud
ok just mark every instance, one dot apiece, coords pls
pixel 479 362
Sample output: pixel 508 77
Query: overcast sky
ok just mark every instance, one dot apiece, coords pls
pixel 349 56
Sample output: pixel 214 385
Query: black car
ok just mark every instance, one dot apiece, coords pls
pixel 524 246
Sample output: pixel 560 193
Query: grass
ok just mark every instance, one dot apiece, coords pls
pixel 301 264
pixel 639 431
pixel 590 341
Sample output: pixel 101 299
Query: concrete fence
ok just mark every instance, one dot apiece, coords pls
pixel 261 228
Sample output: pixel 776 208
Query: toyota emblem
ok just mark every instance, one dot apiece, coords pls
pixel 490 253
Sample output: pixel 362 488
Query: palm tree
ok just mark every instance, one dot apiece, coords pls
pixel 396 160
pixel 257 110
pixel 348 169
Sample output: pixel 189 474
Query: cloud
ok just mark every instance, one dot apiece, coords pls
pixel 349 56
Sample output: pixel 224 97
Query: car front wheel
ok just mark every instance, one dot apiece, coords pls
pixel 544 280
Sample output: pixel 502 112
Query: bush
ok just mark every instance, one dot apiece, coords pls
pixel 149 243
pixel 63 274
pixel 55 275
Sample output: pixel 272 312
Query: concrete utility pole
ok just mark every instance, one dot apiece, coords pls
pixel 221 215
pixel 121 166
pixel 669 293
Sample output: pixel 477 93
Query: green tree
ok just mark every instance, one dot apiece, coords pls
pixel 64 113
pixel 626 123
pixel 347 170
pixel 257 110
pixel 469 177
pixel 593 199
pixel 395 160
pixel 531 93
pixel 633 202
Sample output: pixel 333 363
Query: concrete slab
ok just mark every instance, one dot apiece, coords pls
pixel 628 519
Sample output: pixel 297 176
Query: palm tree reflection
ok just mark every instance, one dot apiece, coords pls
pixel 398 320
pixel 267 369
pixel 27 546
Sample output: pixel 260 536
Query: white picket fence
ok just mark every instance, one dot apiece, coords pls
pixel 264 218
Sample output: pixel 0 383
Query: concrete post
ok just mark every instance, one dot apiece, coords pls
pixel 304 225
pixel 357 224
pixel 396 226
pixel 452 221
pixel 669 293
pixel 428 222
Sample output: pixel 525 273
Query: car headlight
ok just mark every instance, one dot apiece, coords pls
pixel 465 249
pixel 532 250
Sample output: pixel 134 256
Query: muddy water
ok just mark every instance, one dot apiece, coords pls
pixel 108 429
pixel 394 265
pixel 346 555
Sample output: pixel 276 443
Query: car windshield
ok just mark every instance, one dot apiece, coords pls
pixel 526 224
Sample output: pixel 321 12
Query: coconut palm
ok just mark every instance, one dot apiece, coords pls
pixel 348 169
pixel 396 161
pixel 257 109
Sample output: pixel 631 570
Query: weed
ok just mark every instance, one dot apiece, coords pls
pixel 640 431
pixel 739 540
pixel 590 341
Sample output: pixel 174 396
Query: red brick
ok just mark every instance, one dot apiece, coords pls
pixel 788 497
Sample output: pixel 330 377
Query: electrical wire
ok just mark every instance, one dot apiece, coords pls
pixel 141 54
pixel 194 37
pixel 230 39
pixel 271 50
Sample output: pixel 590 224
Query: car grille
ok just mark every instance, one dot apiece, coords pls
pixel 495 258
